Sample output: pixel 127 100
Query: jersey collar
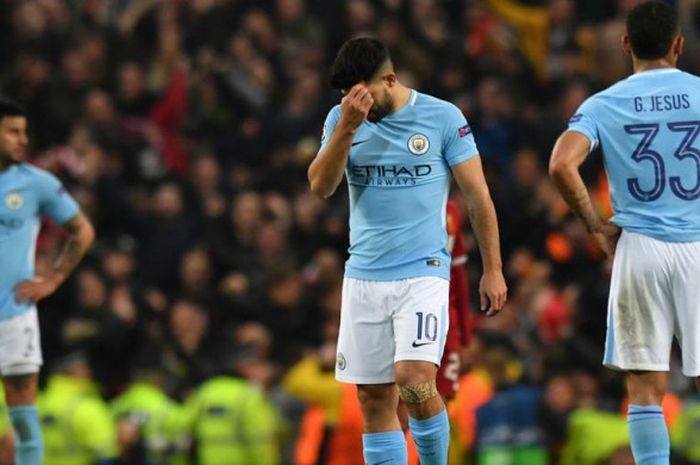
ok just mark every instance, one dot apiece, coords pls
pixel 654 72
pixel 411 102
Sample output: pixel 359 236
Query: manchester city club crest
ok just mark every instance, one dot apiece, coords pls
pixel 340 361
pixel 14 200
pixel 418 144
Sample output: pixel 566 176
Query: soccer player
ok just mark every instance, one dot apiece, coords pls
pixel 646 126
pixel 397 148
pixel 459 331
pixel 27 193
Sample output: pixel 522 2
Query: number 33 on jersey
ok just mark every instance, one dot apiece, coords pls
pixel 649 124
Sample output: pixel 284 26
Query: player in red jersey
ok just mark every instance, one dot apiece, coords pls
pixel 459 334
pixel 460 330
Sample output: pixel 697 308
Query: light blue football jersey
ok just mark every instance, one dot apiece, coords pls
pixel 26 193
pixel 647 127
pixel 398 175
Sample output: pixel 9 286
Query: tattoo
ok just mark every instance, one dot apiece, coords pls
pixel 580 202
pixel 76 246
pixel 418 393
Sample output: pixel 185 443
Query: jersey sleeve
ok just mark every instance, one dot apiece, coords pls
pixel 584 122
pixel 329 126
pixel 458 140
pixel 54 200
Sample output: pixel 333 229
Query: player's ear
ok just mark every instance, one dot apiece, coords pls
pixel 626 44
pixel 678 44
pixel 390 78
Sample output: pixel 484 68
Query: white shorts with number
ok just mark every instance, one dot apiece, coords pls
pixel 654 295
pixel 383 322
pixel 20 350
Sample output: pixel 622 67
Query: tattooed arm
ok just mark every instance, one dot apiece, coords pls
pixel 81 235
pixel 568 154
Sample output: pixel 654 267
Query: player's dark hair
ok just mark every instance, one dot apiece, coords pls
pixel 10 108
pixel 651 27
pixel 357 60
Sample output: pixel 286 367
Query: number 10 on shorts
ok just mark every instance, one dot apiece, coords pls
pixel 426 329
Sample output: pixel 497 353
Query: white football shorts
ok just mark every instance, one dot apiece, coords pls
pixel 654 295
pixel 20 344
pixel 384 322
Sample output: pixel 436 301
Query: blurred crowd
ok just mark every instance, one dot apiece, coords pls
pixel 184 129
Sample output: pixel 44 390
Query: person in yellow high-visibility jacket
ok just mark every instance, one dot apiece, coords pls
pixel 160 418
pixel 233 423
pixel 685 434
pixel 77 424
pixel 592 436
pixel 7 440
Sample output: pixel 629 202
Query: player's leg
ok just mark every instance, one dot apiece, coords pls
pixel 428 420
pixel 378 403
pixel 646 387
pixel 420 326
pixel 383 441
pixel 641 326
pixel 20 359
pixel 20 393
pixel 447 378
pixel 418 389
pixel 687 304
pixel 365 357
pixel 645 418
pixel 7 448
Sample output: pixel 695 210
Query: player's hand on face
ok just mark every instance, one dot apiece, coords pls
pixel 606 238
pixel 33 290
pixel 492 292
pixel 355 105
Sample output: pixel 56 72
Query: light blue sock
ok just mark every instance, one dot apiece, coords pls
pixel 432 438
pixel 648 435
pixel 388 448
pixel 28 447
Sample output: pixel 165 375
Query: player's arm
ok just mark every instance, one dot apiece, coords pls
pixel 482 214
pixel 569 152
pixel 326 171
pixel 80 236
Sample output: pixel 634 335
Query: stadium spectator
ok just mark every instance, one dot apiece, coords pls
pixel 184 129
pixel 76 422
pixel 232 421
pixel 149 423
pixel 684 434
pixel 7 440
